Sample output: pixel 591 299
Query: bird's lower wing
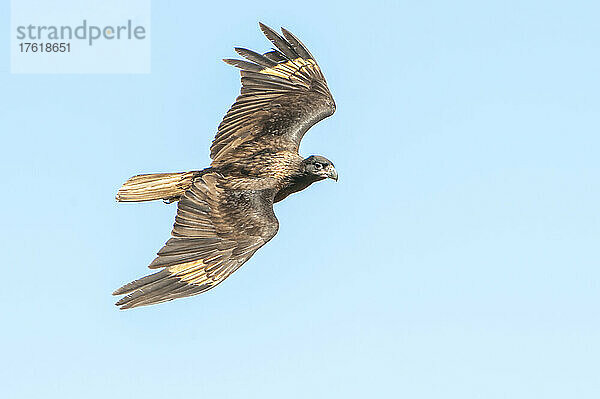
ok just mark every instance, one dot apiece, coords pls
pixel 216 230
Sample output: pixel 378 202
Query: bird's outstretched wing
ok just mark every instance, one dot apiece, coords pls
pixel 283 95
pixel 217 229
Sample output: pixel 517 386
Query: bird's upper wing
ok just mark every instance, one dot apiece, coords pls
pixel 283 95
pixel 217 229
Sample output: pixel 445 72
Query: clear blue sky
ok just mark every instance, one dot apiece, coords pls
pixel 457 257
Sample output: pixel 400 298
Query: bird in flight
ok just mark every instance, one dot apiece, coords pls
pixel 225 212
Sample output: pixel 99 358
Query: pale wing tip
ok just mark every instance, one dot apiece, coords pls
pixel 119 291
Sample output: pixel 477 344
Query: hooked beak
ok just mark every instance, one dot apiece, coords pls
pixel 332 174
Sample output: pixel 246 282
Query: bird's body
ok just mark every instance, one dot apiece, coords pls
pixel 225 212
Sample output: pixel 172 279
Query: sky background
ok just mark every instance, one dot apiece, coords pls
pixel 457 257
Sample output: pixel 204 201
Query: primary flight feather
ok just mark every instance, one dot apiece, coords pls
pixel 225 212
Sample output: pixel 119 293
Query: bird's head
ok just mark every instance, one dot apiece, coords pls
pixel 319 168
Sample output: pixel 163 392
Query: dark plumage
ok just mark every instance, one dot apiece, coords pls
pixel 225 212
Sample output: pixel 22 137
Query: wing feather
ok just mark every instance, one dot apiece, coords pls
pixel 284 47
pixel 255 57
pixel 243 64
pixel 297 44
pixel 283 94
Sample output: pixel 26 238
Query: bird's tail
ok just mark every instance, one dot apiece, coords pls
pixel 166 186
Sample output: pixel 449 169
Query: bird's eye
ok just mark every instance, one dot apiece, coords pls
pixel 318 166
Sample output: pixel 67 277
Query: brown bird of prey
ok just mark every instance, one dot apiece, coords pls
pixel 225 212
